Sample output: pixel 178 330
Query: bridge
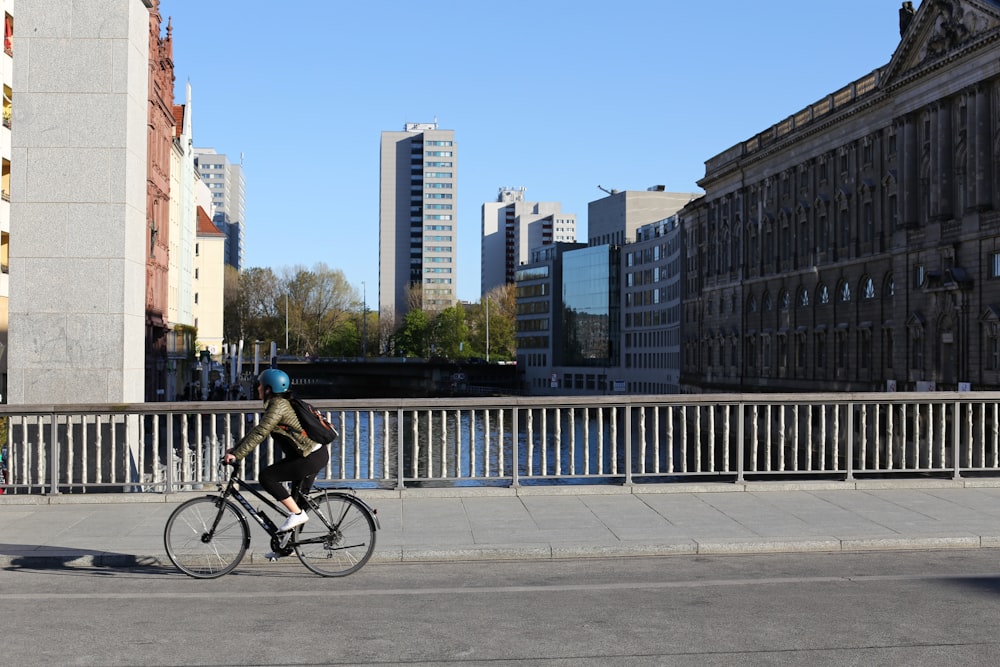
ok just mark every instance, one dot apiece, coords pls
pixel 514 441
pixel 395 378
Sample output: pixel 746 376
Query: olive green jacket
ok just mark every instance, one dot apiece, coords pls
pixel 278 420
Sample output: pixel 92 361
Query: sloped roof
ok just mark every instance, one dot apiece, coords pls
pixel 205 225
pixel 178 119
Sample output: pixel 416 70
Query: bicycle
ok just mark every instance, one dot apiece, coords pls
pixel 207 537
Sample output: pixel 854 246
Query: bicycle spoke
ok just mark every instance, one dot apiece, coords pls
pixel 195 548
pixel 339 539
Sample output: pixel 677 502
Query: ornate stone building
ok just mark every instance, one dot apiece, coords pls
pixel 160 133
pixel 855 245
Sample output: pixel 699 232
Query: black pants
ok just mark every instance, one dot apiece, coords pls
pixel 301 470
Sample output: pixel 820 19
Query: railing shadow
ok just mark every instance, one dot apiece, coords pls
pixel 45 557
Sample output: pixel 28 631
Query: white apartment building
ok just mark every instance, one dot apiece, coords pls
pixel 512 228
pixel 418 219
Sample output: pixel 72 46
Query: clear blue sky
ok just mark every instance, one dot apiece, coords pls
pixel 551 95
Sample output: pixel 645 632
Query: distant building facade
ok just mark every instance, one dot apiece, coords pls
pixel 512 228
pixel 161 133
pixel 855 245
pixel 227 183
pixel 617 217
pixel 652 272
pixel 538 304
pixel 418 219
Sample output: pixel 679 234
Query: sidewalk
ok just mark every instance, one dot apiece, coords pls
pixel 125 530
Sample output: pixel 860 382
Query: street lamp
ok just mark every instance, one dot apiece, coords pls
pixel 364 321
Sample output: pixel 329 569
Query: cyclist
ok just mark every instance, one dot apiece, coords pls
pixel 303 457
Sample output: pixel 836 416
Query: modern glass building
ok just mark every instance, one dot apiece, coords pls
pixel 591 307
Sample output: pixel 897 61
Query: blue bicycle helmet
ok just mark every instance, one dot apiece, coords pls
pixel 277 381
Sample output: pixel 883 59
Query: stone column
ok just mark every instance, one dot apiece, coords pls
pixel 944 162
pixel 909 168
pixel 78 200
pixel 983 160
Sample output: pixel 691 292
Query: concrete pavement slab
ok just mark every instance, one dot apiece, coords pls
pixel 124 530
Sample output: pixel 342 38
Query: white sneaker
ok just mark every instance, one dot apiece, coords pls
pixel 272 557
pixel 293 521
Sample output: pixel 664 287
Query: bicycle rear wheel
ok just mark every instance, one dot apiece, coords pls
pixel 205 540
pixel 339 537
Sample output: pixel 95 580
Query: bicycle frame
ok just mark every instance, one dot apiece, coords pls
pixel 232 490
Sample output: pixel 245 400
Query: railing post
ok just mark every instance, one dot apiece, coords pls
pixel 741 446
pixel 399 447
pixel 516 437
pixel 170 454
pixel 849 442
pixel 628 442
pixel 956 442
pixel 54 458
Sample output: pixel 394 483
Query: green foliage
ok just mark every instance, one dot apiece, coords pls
pixel 305 306
pixel 322 314
pixel 450 334
pixel 413 337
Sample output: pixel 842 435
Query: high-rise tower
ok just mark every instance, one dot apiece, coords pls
pixel 512 228
pixel 418 221
pixel 227 184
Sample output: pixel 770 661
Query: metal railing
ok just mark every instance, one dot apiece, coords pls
pixel 165 447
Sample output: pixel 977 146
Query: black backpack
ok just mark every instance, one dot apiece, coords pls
pixel 315 425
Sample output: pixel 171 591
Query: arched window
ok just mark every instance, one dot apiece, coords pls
pixel 867 288
pixel 845 292
pixel 804 298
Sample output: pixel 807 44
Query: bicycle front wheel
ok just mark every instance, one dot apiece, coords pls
pixel 206 539
pixel 339 537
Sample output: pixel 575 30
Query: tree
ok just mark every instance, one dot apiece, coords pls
pixel 412 338
pixel 502 324
pixel 250 305
pixel 318 301
pixel 450 334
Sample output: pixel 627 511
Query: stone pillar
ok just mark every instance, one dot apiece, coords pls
pixel 909 167
pixel 944 163
pixel 78 200
pixel 983 160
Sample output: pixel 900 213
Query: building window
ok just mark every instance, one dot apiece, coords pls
pixel 868 292
pixel 889 349
pixel 993 351
pixel 866 350
pixel 842 352
pixel 917 359
pixel 995 265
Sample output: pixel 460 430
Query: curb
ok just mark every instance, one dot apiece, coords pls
pixel 541 490
pixel 718 546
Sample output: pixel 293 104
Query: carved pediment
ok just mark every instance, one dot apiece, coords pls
pixel 939 28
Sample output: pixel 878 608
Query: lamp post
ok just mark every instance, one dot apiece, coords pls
pixel 487 329
pixel 364 321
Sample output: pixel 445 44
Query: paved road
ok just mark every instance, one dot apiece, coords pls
pixel 553 522
pixel 914 608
